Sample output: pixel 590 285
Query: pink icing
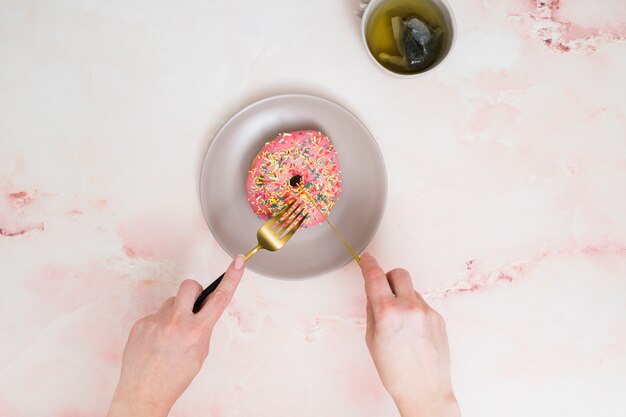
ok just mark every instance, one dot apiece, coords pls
pixel 307 153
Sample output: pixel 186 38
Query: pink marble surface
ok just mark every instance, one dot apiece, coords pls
pixel 507 180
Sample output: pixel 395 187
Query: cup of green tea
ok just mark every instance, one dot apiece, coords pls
pixel 408 38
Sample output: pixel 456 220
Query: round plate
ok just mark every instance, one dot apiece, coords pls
pixel 315 250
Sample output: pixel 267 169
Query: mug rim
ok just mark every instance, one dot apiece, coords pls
pixel 365 17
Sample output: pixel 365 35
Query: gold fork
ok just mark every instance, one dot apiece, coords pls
pixel 271 236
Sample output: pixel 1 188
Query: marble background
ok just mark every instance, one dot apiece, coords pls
pixel 507 202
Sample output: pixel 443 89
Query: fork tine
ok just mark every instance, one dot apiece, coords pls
pixel 289 234
pixel 280 214
pixel 286 218
pixel 289 221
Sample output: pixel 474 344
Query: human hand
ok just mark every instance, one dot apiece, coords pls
pixel 408 343
pixel 166 350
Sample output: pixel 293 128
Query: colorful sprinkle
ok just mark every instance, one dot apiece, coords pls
pixel 306 153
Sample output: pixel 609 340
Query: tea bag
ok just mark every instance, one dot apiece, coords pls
pixel 416 41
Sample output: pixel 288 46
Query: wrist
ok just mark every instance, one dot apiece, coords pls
pixel 443 404
pixel 124 405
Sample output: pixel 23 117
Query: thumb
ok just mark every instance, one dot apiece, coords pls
pixel 377 286
pixel 220 298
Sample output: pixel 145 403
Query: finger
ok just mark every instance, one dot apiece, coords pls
pixel 376 284
pixel 188 292
pixel 219 299
pixel 401 284
pixel 369 328
pixel 166 304
pixel 421 300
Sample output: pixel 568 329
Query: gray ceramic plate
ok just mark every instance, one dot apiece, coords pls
pixel 316 250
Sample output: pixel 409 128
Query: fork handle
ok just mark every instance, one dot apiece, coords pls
pixel 205 293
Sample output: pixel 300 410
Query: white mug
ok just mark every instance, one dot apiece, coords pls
pixel 446 11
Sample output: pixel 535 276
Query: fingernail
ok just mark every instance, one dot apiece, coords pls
pixel 366 253
pixel 238 262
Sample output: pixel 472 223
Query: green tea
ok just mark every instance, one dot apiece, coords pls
pixel 407 36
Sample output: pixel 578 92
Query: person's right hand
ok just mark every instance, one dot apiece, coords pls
pixel 408 343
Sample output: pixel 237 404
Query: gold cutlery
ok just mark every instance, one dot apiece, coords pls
pixel 333 228
pixel 271 236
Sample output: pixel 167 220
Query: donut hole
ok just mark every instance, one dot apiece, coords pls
pixel 295 180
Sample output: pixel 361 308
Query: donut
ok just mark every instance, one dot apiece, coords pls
pixel 305 155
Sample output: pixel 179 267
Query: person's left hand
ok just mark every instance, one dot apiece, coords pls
pixel 166 350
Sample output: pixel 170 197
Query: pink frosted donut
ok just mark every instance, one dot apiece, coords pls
pixel 307 153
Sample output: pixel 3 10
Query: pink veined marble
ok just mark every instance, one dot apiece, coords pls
pixel 507 179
